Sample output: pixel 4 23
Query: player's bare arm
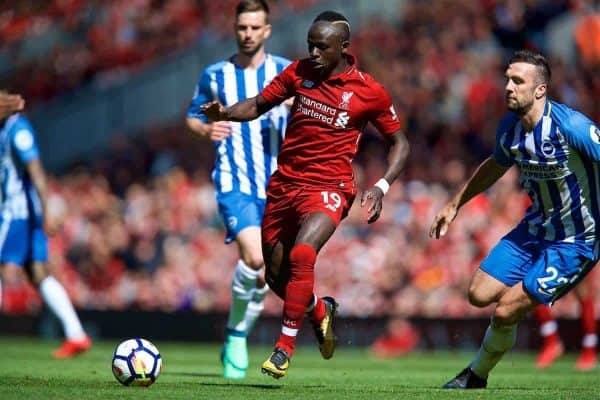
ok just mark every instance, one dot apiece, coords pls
pixel 245 110
pixel 38 177
pixel 10 104
pixel 215 131
pixel 397 158
pixel 485 176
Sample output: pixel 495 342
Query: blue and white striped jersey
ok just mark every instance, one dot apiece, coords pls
pixel 246 159
pixel 558 162
pixel 18 197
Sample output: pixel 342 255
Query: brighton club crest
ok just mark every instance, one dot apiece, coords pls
pixel 346 96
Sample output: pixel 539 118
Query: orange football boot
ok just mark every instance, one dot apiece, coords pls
pixel 71 348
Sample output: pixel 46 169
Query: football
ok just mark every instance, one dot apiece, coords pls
pixel 136 362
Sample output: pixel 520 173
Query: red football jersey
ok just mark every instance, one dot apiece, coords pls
pixel 326 120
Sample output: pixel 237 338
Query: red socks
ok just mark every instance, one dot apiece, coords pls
pixel 298 294
pixel 318 309
pixel 548 327
pixel 542 314
pixel 588 322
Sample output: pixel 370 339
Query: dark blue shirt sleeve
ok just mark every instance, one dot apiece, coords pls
pixel 202 94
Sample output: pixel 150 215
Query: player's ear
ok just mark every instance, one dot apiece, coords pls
pixel 540 91
pixel 345 46
pixel 267 31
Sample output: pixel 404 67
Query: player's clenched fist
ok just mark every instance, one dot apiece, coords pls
pixel 442 221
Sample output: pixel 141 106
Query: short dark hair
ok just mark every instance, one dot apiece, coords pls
pixel 335 17
pixel 330 16
pixel 251 6
pixel 531 57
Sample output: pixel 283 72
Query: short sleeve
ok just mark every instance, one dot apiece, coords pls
pixel 281 87
pixel 384 116
pixel 23 142
pixel 202 94
pixel 501 155
pixel 582 134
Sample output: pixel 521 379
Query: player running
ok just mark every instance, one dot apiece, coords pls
pixel 246 156
pixel 25 222
pixel 313 187
pixel 557 151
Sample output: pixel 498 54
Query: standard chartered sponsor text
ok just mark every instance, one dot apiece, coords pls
pixel 316 109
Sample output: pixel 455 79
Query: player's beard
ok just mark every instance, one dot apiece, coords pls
pixel 250 51
pixel 518 108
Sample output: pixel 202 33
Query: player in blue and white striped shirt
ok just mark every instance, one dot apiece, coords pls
pixel 24 223
pixel 557 151
pixel 246 156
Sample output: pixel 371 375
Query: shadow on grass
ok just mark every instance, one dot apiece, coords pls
pixel 224 382
pixel 247 385
pixel 501 389
pixel 540 390
pixel 194 374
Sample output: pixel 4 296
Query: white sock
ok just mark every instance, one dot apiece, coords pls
pixel 255 306
pixel 289 331
pixel 242 288
pixel 589 340
pixel 548 328
pixel 57 300
pixel 496 342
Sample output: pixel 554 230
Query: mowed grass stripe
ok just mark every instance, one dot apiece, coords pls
pixel 192 371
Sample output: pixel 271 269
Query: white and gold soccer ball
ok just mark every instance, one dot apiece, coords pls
pixel 136 362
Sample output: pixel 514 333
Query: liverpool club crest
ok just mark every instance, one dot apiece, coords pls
pixel 346 96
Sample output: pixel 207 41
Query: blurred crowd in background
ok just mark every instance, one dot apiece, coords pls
pixel 140 228
pixel 49 48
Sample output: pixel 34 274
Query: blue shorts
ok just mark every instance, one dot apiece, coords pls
pixel 22 242
pixel 239 211
pixel 548 270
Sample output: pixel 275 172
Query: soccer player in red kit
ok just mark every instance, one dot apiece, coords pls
pixel 552 345
pixel 313 187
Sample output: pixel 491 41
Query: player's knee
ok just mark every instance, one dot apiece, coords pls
pixel 505 315
pixel 479 297
pixel 254 261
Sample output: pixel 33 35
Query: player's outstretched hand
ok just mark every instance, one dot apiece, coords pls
pixel 214 111
pixel 442 221
pixel 219 130
pixel 374 197
pixel 10 104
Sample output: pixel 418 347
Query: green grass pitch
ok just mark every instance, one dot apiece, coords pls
pixel 192 371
